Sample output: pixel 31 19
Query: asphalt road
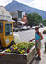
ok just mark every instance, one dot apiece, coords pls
pixel 27 35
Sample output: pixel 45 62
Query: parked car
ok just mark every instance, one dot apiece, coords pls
pixel 25 27
pixel 16 29
pixel 44 32
pixel 28 27
pixel 35 27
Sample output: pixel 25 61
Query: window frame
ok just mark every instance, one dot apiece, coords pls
pixel 9 29
pixel 1 27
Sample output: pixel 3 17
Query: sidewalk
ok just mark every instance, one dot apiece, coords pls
pixel 43 55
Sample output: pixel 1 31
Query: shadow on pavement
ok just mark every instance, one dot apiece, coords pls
pixel 36 62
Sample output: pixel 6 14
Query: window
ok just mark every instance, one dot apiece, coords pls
pixel 19 14
pixel 1 27
pixel 8 29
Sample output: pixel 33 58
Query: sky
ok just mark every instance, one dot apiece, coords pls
pixel 39 4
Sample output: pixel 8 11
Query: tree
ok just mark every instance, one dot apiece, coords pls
pixel 44 22
pixel 34 19
pixel 29 17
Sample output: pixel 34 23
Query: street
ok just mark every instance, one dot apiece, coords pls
pixel 28 35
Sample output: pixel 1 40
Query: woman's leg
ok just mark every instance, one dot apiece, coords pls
pixel 39 54
pixel 38 46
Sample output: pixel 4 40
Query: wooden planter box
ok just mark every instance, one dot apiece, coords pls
pixel 12 58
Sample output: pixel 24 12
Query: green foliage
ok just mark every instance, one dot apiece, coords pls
pixel 30 19
pixel 34 19
pixel 44 22
pixel 20 48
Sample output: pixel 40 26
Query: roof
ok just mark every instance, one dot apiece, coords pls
pixel 4 15
pixel 7 20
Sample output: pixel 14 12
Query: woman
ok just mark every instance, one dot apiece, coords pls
pixel 38 38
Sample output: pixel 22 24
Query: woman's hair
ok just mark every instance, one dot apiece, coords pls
pixel 36 28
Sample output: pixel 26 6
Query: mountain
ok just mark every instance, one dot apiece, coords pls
pixel 14 5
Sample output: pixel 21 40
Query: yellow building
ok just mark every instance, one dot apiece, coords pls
pixel 6 28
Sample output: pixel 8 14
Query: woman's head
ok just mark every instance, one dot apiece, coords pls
pixel 37 29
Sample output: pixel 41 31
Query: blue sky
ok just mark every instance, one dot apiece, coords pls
pixel 39 4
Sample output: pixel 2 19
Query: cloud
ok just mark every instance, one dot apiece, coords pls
pixel 4 2
pixel 25 1
pixel 39 4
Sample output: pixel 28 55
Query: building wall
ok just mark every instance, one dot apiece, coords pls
pixel 15 14
pixel 22 17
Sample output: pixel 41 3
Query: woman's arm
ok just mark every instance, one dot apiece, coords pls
pixel 41 36
pixel 32 40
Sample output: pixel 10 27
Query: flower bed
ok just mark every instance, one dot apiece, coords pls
pixel 20 48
